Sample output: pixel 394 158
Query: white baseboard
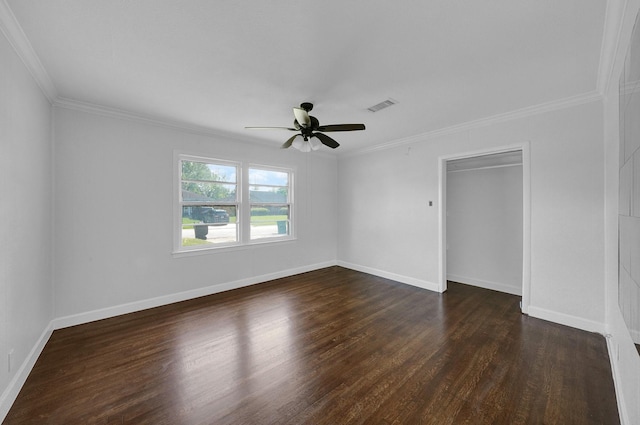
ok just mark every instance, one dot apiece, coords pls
pixel 393 276
pixel 495 286
pixel 11 392
pixel 567 320
pixel 104 313
pixel 615 371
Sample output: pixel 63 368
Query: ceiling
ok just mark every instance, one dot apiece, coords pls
pixel 223 65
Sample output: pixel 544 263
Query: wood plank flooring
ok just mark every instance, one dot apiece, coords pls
pixel 333 346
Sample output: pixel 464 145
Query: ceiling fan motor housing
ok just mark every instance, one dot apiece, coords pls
pixel 307 131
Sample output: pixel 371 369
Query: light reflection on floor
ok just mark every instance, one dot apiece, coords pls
pixel 250 345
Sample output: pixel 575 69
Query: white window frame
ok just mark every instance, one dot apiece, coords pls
pixel 243 205
pixel 290 201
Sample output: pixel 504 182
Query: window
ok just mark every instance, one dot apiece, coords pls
pixel 223 203
pixel 209 203
pixel 269 196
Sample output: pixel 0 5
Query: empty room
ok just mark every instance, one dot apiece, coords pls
pixel 304 212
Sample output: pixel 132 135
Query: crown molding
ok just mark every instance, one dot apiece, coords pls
pixel 614 17
pixel 483 122
pixel 122 114
pixel 209 132
pixel 105 111
pixel 15 35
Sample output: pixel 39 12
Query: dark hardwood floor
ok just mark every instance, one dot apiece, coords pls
pixel 333 346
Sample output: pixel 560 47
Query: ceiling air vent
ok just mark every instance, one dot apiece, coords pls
pixel 382 105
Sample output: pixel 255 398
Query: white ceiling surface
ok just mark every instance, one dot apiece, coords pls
pixel 223 65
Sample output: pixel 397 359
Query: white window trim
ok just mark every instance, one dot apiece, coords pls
pixel 243 211
pixel 291 173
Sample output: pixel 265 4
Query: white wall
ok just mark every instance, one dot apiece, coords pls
pixel 114 216
pixel 629 201
pixel 624 357
pixel 484 227
pixel 25 219
pixel 387 227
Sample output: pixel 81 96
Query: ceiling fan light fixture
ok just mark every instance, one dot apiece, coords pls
pixel 301 145
pixel 315 144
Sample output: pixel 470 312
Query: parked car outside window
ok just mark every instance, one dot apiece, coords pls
pixel 213 216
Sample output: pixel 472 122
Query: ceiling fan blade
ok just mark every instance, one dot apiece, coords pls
pixel 271 128
pixel 302 117
pixel 289 142
pixel 326 140
pixel 341 127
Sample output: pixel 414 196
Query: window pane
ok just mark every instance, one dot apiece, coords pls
pixel 268 177
pixel 209 224
pixel 201 171
pixel 208 192
pixel 269 229
pixel 268 194
pixel 269 221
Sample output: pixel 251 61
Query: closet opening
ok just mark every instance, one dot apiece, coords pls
pixel 484 220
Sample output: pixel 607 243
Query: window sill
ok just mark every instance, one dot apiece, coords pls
pixel 230 248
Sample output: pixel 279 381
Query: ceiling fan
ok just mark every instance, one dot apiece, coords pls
pixel 309 128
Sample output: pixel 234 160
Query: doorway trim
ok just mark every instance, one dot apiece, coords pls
pixel 526 214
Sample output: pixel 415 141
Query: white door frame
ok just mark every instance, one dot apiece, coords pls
pixel 526 214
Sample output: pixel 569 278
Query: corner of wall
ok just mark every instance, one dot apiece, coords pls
pixel 567 320
pixel 10 393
